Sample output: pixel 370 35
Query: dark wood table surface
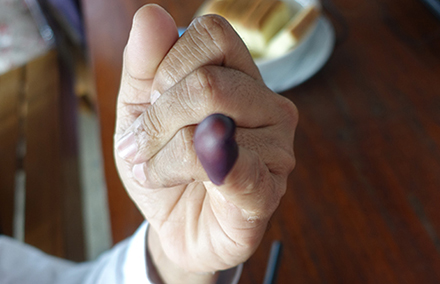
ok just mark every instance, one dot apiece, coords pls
pixel 362 205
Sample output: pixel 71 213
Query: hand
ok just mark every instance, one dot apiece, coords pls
pixel 169 85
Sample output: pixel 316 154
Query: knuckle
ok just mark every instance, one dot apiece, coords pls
pixel 286 161
pixel 290 163
pixel 188 99
pixel 215 29
pixel 204 81
pixel 168 74
pixel 175 162
pixel 170 69
pixel 215 23
pixel 255 180
pixel 152 124
pixel 204 78
pixel 188 155
pixel 289 110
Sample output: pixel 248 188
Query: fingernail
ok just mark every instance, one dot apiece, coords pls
pixel 139 173
pixel 127 146
pixel 154 96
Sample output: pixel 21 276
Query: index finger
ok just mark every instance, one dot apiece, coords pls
pixel 209 40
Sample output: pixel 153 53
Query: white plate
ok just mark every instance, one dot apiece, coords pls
pixel 303 62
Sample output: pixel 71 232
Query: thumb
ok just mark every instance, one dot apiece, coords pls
pixel 215 146
pixel 152 35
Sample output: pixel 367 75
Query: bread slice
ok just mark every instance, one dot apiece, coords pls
pixel 292 34
pixel 267 27
pixel 240 9
pixel 218 7
pixel 276 18
pixel 257 21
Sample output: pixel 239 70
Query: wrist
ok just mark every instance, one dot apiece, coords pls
pixel 168 271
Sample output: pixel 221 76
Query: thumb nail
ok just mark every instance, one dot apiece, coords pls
pixel 216 147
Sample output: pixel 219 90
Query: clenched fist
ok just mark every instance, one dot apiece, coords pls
pixel 202 146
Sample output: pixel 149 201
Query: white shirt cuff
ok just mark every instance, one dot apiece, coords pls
pixel 138 266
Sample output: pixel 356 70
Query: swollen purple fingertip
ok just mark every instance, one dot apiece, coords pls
pixel 215 146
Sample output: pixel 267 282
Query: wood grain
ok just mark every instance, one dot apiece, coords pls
pixel 362 204
pixel 53 207
pixel 10 89
pixel 44 228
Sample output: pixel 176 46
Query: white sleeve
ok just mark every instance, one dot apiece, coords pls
pixel 126 263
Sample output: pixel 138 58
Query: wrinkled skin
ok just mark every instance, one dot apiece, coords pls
pixel 169 85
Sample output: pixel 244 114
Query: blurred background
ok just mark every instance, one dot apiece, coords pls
pixel 362 204
pixel 53 192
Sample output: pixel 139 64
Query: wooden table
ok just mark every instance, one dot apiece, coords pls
pixel 362 205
